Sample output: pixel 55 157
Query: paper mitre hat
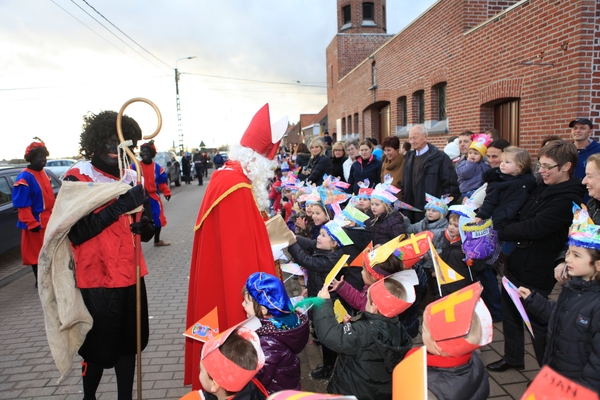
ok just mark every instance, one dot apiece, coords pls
pixel 354 214
pixel 413 248
pixel 225 372
pixel 467 209
pixel 34 145
pixel 451 319
pixel 388 304
pixel 269 292
pixel 263 137
pixel 441 205
pixel 380 255
pixel 338 234
pixel 310 196
pixel 480 142
pixel 365 191
pixel 385 191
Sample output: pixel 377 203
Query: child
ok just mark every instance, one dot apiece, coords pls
pixel 387 222
pixel 573 341
pixel 323 254
pixel 454 370
pixel 363 198
pixel 283 333
pixel 228 365
pixel 453 255
pixel 508 187
pixel 469 171
pixel 371 344
pixel 320 216
pixel 275 191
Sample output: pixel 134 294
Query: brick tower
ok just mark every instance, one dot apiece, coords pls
pixel 358 16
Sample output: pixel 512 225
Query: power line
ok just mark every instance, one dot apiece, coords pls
pixel 254 80
pixel 126 35
pixel 112 33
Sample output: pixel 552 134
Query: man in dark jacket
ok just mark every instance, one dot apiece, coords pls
pixel 539 236
pixel 426 170
pixel 581 129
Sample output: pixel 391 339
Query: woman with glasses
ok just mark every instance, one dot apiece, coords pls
pixel 539 236
pixel 338 157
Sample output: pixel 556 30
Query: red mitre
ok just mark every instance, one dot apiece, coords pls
pixel 34 145
pixel 413 248
pixel 261 137
pixel 388 304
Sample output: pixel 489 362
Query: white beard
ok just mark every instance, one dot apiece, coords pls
pixel 258 169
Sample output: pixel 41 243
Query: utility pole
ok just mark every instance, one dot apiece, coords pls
pixel 180 129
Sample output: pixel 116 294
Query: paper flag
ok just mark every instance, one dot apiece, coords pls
pixel 444 274
pixel 334 271
pixel 206 328
pixel 358 261
pixel 514 296
pixel 292 268
pixel 406 206
pixel 339 311
pixel 409 379
pixel 550 385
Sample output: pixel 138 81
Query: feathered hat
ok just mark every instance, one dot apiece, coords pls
pixel 34 145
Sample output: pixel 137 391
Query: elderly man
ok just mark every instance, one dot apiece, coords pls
pixel 426 170
pixel 230 239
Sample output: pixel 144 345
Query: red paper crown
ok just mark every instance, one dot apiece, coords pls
pixel 414 248
pixel 449 320
pixel 388 304
pixel 261 137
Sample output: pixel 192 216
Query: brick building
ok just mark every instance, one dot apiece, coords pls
pixel 524 67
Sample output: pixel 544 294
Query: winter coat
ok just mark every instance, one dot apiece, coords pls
pixel 465 382
pixel 469 174
pixel 316 168
pixel 573 339
pixel 582 156
pixel 302 159
pixel 385 227
pixel 505 195
pixel 252 391
pixel 282 365
pixel 395 169
pixel 317 262
pixel 338 167
pixel 437 176
pixel 355 298
pixel 369 348
pixel 361 170
pixel 353 275
pixel 453 255
pixel 437 227
pixel 541 233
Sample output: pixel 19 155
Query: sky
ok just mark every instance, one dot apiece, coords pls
pixel 62 59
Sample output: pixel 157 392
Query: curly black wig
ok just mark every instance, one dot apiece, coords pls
pixel 98 128
pixel 38 150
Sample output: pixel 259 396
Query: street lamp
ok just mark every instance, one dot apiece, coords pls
pixel 178 103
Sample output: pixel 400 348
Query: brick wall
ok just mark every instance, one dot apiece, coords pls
pixel 481 67
pixel 357 17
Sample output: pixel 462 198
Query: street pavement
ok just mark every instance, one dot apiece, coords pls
pixel 27 370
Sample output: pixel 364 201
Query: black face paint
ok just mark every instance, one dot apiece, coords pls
pixel 110 154
pixel 38 162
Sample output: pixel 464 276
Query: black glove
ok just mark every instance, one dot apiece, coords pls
pixel 167 198
pixel 140 227
pixel 36 229
pixel 131 200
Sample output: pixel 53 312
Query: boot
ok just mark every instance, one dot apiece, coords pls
pixel 322 372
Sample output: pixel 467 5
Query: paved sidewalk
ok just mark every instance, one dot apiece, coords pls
pixel 27 370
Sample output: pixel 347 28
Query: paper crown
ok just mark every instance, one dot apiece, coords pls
pixel 269 292
pixel 291 182
pixel 34 145
pixel 585 235
pixel 480 240
pixel 355 215
pixel 480 142
pixel 380 255
pixel 441 205
pixel 310 196
pixel 385 192
pixel 337 233
pixel 225 372
pixel 330 192
pixel 388 304
pixel 467 209
pixel 449 320
pixel 414 248
pixel 285 167
pixel 263 137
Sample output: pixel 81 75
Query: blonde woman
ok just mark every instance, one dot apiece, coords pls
pixel 318 165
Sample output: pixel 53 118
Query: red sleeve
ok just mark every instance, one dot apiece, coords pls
pixel 26 217
pixel 164 189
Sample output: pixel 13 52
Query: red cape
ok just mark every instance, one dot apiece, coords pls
pixel 230 243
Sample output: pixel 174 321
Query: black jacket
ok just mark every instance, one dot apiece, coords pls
pixel 318 166
pixel 369 348
pixel 437 176
pixel 465 382
pixel 504 196
pixel 302 159
pixel 338 167
pixel 386 227
pixel 541 233
pixel 573 341
pixel 454 256
pixel 361 171
pixel 317 262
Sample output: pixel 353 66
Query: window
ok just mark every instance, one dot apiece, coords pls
pixel 343 126
pixel 350 124
pixel 374 75
pixel 441 91
pixel 5 192
pixel 346 14
pixel 355 130
pixel 418 107
pixel 368 11
pixel 401 112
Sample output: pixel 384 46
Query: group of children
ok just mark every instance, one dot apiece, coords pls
pixel 360 353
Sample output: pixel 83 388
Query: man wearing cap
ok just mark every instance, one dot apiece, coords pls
pixel 581 129
pixel 231 240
